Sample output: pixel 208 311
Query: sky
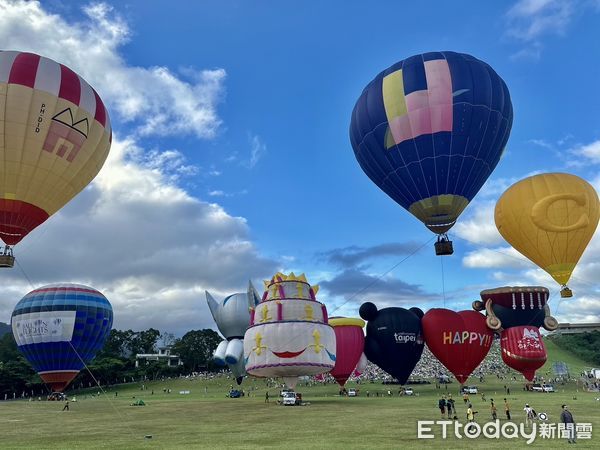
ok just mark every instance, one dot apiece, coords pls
pixel 231 159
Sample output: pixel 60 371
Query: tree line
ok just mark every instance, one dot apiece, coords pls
pixel 584 345
pixel 115 363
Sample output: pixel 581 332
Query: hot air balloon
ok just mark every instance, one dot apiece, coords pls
pixel 459 340
pixel 56 135
pixel 394 339
pixel 232 317
pixel 350 342
pixel 523 349
pixel 549 218
pixel 289 334
pixel 429 130
pixel 508 307
pixel 59 328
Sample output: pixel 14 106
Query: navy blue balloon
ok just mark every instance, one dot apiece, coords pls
pixel 61 327
pixel 394 339
pixel 430 130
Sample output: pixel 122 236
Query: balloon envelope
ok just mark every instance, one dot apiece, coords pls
pixel 459 340
pixel 394 339
pixel 549 218
pixel 349 344
pixel 519 305
pixel 429 130
pixel 56 135
pixel 523 349
pixel 60 327
pixel 289 333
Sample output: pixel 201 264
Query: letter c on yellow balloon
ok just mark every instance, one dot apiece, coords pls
pixel 539 213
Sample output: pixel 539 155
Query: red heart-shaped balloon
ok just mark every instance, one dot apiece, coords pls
pixel 459 340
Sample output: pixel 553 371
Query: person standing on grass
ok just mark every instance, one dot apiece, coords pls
pixel 267 397
pixel 450 406
pixel 466 398
pixel 442 406
pixel 567 418
pixel 507 409
pixel 66 407
pixel 494 410
pixel 529 415
pixel 470 415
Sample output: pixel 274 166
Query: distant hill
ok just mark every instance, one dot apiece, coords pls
pixel 583 346
pixel 4 328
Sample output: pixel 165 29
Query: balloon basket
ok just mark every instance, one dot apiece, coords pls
pixel 443 247
pixel 565 292
pixel 7 261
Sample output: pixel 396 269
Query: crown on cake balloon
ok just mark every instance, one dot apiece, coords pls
pixel 282 286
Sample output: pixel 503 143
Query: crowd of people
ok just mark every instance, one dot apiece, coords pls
pixel 429 368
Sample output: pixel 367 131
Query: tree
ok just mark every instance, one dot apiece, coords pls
pixel 8 348
pixel 5 328
pixel 167 339
pixel 144 341
pixel 117 344
pixel 196 347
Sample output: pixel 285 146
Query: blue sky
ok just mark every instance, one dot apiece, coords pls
pixel 231 157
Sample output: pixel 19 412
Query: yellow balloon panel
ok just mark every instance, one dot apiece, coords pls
pixel 55 135
pixel 51 175
pixel 440 212
pixel 549 218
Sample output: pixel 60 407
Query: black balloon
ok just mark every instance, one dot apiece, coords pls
pixel 394 340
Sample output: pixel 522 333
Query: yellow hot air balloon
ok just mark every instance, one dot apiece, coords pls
pixel 550 218
pixel 55 136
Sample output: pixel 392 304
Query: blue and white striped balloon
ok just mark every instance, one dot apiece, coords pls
pixel 59 328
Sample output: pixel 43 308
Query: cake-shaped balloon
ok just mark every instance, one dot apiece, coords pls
pixel 289 333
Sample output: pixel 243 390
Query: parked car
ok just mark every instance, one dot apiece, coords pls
pixel 352 392
pixel 469 390
pixel 408 391
pixel 234 393
pixel 537 387
pixel 291 398
pixel 57 396
pixel 548 388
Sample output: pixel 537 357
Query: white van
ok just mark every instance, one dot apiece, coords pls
pixel 289 398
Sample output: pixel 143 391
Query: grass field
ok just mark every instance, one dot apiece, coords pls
pixel 206 419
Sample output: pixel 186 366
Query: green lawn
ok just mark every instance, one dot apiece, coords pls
pixel 206 419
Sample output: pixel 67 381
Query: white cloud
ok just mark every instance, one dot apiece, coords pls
pixel 531 52
pixel 259 149
pixel 479 228
pixel 501 257
pixel 579 309
pixel 529 22
pixel 531 19
pixel 144 242
pixel 590 152
pixel 149 245
pixel 153 100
